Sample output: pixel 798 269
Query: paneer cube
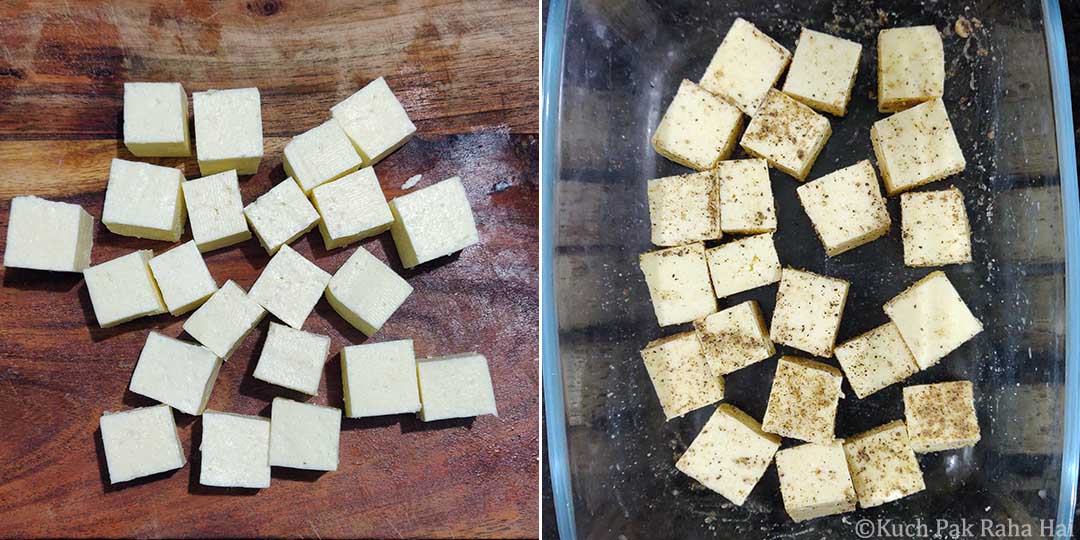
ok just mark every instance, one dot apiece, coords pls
pixel 814 480
pixel 352 208
pixel 678 281
pixel 734 338
pixel 935 228
pixel 684 209
pixel 698 129
pixel 846 208
pixel 140 442
pixel 123 289
pixel 681 375
pixel 235 450
pixel 304 435
pixel 743 264
pixel 746 197
pixel 374 120
pixel 224 320
pixel 911 67
pixel 883 466
pixel 366 292
pixel 787 134
pixel 455 386
pixel 875 360
pixel 941 416
pixel 932 318
pixel 433 222
pixel 808 311
pixel 281 215
pixel 379 379
pixel 746 66
pixel 183 278
pixel 156 119
pixel 289 287
pixel 916 147
pixel 730 454
pixel 803 401
pixel 48 235
pixel 176 373
pixel 293 359
pixel 823 71
pixel 228 130
pixel 319 155
pixel 144 201
pixel 216 211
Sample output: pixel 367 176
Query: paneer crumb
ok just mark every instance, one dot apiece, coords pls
pixel 941 416
pixel 787 134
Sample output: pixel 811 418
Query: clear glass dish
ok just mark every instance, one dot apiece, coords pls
pixel 610 69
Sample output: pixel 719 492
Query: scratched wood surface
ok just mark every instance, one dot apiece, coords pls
pixel 466 72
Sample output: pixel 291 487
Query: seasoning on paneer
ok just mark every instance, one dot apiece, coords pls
pixel 289 287
pixel 176 373
pixel 140 442
pixel 352 208
pixel 379 379
pixel 433 222
pixel 730 454
pixel 814 480
pixel 216 211
pixel 746 197
pixel 235 450
pixel 183 278
pixel 916 147
pixel 144 201
pixel 787 134
pixel 319 155
pixel 455 386
pixel 48 235
pixel 366 292
pixel 846 208
pixel 746 66
pixel 224 320
pixel 911 67
pixel 123 289
pixel 698 129
pixel 883 466
pixel 803 401
pixel 156 119
pixel 808 311
pixel 684 209
pixel 823 71
pixel 932 318
pixel 281 215
pixel 681 375
pixel 743 264
pixel 935 228
pixel 734 338
pixel 374 120
pixel 293 359
pixel 304 435
pixel 679 285
pixel 228 130
pixel 941 416
pixel 875 360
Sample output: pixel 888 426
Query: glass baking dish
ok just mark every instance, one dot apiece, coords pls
pixel 610 69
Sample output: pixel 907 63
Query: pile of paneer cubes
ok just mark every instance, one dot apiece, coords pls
pixel 914 146
pixel 332 185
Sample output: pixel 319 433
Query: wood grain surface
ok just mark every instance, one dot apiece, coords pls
pixel 466 72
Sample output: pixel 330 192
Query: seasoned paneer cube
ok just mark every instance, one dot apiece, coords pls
pixel 140 442
pixel 281 215
pixel 803 401
pixel 684 209
pixel 746 65
pixel 293 359
pixel 289 287
pixel 366 292
pixel 144 201
pixel 730 454
pixel 883 466
pixel 932 319
pixel 678 281
pixel 911 67
pixel 814 480
pixel 319 155
pixel 228 130
pixel 235 450
pixel 875 360
pixel 433 222
pixel 304 435
pixel 787 134
pixel 698 129
pixel 183 278
pixel 352 208
pixel 916 147
pixel 224 320
pixel 808 311
pixel 176 373
pixel 941 416
pixel 746 198
pixel 823 71
pixel 48 235
pixel 456 386
pixel 156 119
pixel 846 208
pixel 743 264
pixel 379 379
pixel 374 120
pixel 935 228
pixel 681 375
pixel 734 338
pixel 123 289
pixel 216 211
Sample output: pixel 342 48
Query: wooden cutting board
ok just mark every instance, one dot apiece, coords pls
pixel 466 72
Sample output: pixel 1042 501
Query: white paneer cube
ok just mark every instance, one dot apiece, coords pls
pixel 911 67
pixel 935 228
pixel 304 435
pixel 803 401
pixel 352 208
pixel 144 201
pixel 846 208
pixel 932 318
pixel 289 287
pixel 178 374
pixel 433 222
pixel 941 416
pixel 745 67
pixel 916 147
pixel 734 338
pixel 281 215
pixel 183 278
pixel 123 289
pixel 293 359
pixel 814 480
pixel 224 320
pixel 156 119
pixel 787 134
pixel 808 311
pixel 746 197
pixel 678 281
pixel 456 386
pixel 140 442
pixel 823 71
pixel 228 130
pixel 319 155
pixel 875 360
pixel 681 375
pixel 698 129
pixel 235 450
pixel 684 209
pixel 730 454
pixel 216 211
pixel 366 292
pixel 48 235
pixel 743 264
pixel 380 379
pixel 374 120
pixel 883 466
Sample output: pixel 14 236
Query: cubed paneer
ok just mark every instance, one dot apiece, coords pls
pixel 932 319
pixel 916 147
pixel 911 67
pixel 216 211
pixel 681 375
pixel 846 208
pixel 352 208
pixel 743 264
pixel 814 480
pixel 875 360
pixel 123 289
pixel 746 198
pixel 374 120
pixel 734 338
pixel 228 130
pixel 319 155
pixel 304 435
pixel 144 201
pixel 433 222
pixel 140 442
pixel 941 416
pixel 823 71
pixel 235 450
pixel 883 466
pixel 48 235
pixel 746 66
pixel 366 292
pixel 156 119
pixel 379 379
pixel 678 281
pixel 289 287
pixel 803 401
pixel 183 278
pixel 281 215
pixel 455 386
pixel 787 134
pixel 293 359
pixel 935 228
pixel 176 373
pixel 698 129
pixel 224 320
pixel 730 454
pixel 808 311
pixel 684 209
